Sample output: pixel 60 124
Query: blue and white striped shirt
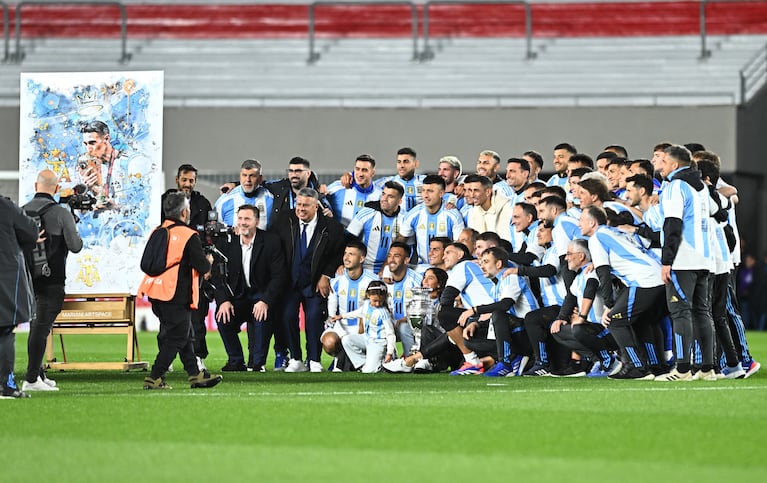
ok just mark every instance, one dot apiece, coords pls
pixel 400 293
pixel 413 188
pixel 680 200
pixel 228 203
pixel 625 255
pixel 347 294
pixel 425 226
pixel 516 288
pixel 345 203
pixel 467 278
pixel 377 231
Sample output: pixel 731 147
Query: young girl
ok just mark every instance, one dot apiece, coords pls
pixel 374 344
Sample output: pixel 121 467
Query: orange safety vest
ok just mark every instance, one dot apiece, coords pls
pixel 163 287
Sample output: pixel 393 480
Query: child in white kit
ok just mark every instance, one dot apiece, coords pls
pixel 374 344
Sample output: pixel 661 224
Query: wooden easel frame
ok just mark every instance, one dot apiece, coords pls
pixel 96 314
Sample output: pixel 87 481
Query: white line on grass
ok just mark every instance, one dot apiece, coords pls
pixel 214 393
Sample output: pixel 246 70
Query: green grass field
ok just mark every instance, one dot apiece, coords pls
pixel 306 427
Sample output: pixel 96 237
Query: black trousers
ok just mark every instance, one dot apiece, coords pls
pixel 436 346
pixel 49 300
pixel 481 345
pixel 595 338
pixel 511 339
pixel 687 298
pixel 718 287
pixel 198 327
pixel 175 338
pixel 545 348
pixel 635 324
pixel 7 353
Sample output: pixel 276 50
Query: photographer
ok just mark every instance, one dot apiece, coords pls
pixel 61 237
pixel 250 290
pixel 186 180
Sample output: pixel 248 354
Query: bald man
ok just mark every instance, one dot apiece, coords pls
pixel 61 237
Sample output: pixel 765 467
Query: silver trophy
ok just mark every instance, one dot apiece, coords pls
pixel 419 312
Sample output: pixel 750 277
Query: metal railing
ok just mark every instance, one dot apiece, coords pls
pixel 18 55
pixel 428 53
pixel 314 56
pixel 753 74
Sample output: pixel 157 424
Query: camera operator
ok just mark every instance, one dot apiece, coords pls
pixel 61 237
pixel 249 293
pixel 186 180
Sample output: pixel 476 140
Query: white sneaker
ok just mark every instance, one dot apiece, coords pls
pixel 423 366
pixel 294 365
pixel 397 366
pixel 38 385
pixel 675 375
pixel 201 364
pixel 315 366
pixel 46 380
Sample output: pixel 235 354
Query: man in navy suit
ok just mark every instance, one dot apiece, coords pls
pixel 313 245
pixel 257 275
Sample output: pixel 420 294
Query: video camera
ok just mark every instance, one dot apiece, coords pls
pixel 80 199
pixel 212 231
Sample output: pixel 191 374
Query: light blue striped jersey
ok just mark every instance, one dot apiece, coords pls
pixel 565 230
pixel 579 286
pixel 413 188
pixel 400 293
pixel 377 231
pixel 722 256
pixel 227 204
pixel 376 322
pixel 347 294
pixel 625 255
pixel 503 188
pixel 424 226
pixel 532 241
pixel 680 200
pixel 467 278
pixel 552 288
pixel 557 180
pixel 621 208
pixel 517 289
pixel 346 202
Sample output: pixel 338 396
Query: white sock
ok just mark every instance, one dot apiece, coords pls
pixel 472 358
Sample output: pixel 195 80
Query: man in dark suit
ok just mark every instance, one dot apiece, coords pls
pixel 313 246
pixel 256 277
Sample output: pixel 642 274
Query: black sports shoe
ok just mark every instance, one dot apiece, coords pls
pixel 629 371
pixel 570 370
pixel 232 367
pixel 9 393
pixel 204 379
pixel 539 369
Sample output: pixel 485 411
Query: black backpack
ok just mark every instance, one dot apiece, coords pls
pixel 38 258
pixel 155 256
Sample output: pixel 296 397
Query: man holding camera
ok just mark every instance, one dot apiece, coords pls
pixel 199 206
pixel 249 290
pixel 61 237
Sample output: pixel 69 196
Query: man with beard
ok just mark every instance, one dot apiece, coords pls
pixel 378 224
pixel 249 192
pixel 285 190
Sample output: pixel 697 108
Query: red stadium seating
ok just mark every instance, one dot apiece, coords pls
pixel 490 20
